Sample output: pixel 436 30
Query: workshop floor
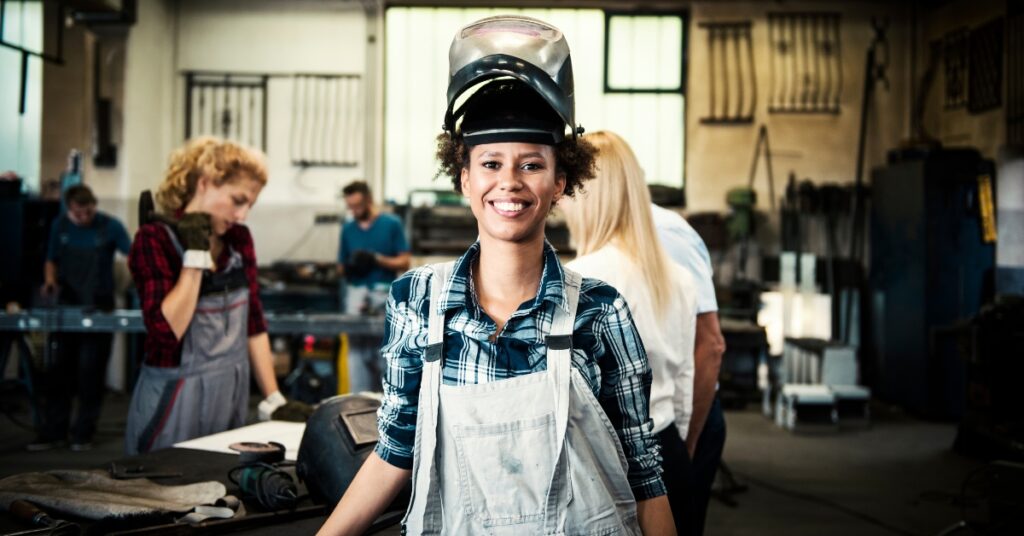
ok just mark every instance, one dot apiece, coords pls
pixel 900 476
pixel 897 477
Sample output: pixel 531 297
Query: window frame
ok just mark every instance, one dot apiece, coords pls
pixel 684 18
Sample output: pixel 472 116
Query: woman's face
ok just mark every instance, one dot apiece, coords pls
pixel 511 188
pixel 226 204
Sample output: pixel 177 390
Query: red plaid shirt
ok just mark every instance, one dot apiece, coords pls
pixel 155 265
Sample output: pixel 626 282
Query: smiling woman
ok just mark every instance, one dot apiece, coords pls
pixel 488 356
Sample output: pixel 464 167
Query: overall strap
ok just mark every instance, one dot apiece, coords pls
pixel 424 481
pixel 559 357
pixel 174 239
pixel 559 353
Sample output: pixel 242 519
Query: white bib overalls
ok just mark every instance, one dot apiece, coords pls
pixel 534 454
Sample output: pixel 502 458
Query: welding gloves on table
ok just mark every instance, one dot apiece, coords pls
pixel 279 408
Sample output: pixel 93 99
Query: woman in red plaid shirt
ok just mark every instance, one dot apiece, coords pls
pixel 195 270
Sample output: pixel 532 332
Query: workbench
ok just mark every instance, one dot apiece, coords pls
pixel 199 466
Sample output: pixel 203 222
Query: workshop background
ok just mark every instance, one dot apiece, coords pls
pixel 856 169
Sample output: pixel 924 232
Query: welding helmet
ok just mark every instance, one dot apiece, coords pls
pixel 338 438
pixel 506 67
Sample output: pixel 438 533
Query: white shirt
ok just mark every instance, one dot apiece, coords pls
pixel 687 248
pixel 667 335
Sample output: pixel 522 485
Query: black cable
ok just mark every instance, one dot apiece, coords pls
pixel 978 527
pixel 830 504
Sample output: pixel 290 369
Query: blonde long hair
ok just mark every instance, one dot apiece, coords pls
pixel 220 160
pixel 615 209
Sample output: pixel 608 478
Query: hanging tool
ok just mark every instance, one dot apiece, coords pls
pixel 875 71
pixel 762 141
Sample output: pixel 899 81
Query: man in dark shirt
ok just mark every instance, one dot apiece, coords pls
pixel 79 272
pixel 372 252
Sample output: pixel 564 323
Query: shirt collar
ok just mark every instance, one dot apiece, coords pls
pixel 459 292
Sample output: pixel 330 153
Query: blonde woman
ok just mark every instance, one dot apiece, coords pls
pixel 195 271
pixel 616 241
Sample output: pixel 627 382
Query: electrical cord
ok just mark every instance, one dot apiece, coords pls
pixel 827 503
pixel 979 528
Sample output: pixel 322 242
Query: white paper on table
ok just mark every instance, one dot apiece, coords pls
pixel 288 434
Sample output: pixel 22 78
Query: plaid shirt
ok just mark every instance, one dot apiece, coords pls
pixel 155 265
pixel 607 350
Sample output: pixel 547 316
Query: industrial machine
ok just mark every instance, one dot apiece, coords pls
pixel 931 266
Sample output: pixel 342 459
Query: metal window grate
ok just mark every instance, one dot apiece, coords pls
pixel 327 120
pixel 806 63
pixel 985 83
pixel 231 106
pixel 733 89
pixel 955 62
pixel 1015 77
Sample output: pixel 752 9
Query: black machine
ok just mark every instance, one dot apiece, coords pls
pixel 993 426
pixel 339 437
pixel 931 267
pixel 26 231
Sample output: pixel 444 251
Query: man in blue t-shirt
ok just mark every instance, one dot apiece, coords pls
pixel 372 252
pixel 79 272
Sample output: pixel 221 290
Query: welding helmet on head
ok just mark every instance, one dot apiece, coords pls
pixel 516 63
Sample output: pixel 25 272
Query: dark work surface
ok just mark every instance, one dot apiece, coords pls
pixel 199 466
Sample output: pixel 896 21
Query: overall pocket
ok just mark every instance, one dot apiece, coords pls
pixel 505 469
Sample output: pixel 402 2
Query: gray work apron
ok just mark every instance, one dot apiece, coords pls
pixel 533 454
pixel 208 392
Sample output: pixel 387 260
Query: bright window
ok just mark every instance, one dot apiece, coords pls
pixel 651 121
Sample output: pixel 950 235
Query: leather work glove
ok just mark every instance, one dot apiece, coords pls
pixel 194 230
pixel 360 263
pixel 266 408
pixel 277 407
pixel 293 411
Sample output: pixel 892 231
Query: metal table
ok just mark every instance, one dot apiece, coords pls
pixel 76 319
pixel 15 326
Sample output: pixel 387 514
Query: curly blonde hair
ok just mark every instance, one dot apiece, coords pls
pixel 219 160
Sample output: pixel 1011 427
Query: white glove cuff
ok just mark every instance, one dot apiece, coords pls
pixel 195 258
pixel 276 399
pixel 266 407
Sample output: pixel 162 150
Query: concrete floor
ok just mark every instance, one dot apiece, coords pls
pixel 897 477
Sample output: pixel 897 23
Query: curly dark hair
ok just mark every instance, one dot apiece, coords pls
pixel 573 157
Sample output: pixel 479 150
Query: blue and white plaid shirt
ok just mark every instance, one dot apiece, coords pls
pixel 607 350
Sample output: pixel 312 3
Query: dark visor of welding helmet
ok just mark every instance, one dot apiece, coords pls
pixel 509 111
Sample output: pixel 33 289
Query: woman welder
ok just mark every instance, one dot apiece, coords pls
pixel 515 392
pixel 196 277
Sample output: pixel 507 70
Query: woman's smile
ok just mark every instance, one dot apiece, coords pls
pixel 509 208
